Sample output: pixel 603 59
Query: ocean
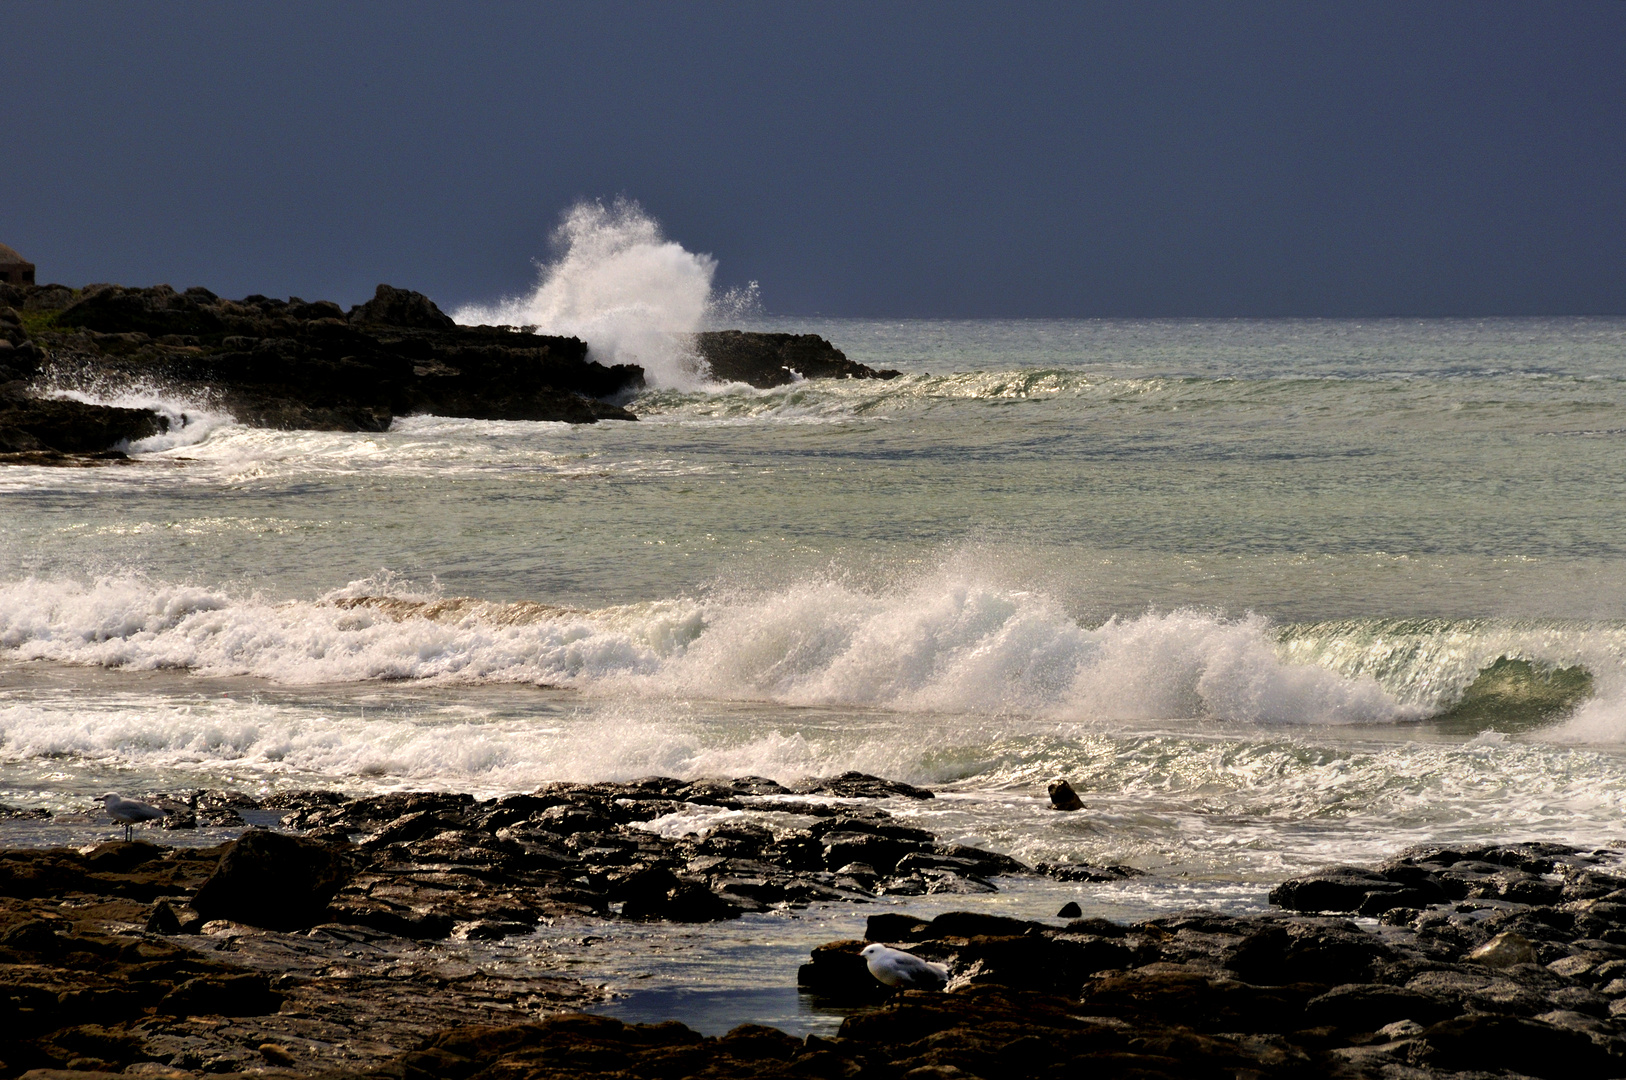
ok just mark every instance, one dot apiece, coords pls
pixel 1269 594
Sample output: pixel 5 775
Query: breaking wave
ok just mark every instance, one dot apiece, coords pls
pixel 621 286
pixel 946 643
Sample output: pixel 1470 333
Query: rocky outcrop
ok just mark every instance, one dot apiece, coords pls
pixel 84 987
pixel 430 865
pixel 313 365
pixel 1515 965
pixel 274 363
pixel 1517 968
pixel 31 425
pixel 293 364
pixel 769 360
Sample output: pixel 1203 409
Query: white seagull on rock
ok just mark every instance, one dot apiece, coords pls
pixel 894 967
pixel 128 811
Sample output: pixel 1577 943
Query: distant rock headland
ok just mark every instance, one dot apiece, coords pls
pixel 313 365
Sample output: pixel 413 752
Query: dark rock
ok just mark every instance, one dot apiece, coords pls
pixel 222 995
pixel 34 936
pixel 1069 910
pixel 167 919
pixel 857 785
pixel 1352 888
pixel 881 852
pixel 1320 951
pixel 1086 872
pixel 401 307
pixel 117 856
pixel 303 365
pixel 1370 1006
pixel 30 424
pixel 273 880
pixel 1525 1047
pixel 896 926
pixel 768 360
pixel 1192 998
pixel 657 893
pixel 967 924
pixel 837 971
pixel 1063 797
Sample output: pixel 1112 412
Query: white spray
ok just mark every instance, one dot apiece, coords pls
pixel 621 286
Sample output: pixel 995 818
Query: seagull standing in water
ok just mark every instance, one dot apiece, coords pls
pixel 128 811
pixel 894 967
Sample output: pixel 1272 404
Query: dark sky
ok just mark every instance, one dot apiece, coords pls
pixel 930 159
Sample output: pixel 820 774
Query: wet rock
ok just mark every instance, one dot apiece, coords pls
pixel 222 995
pixel 1352 888
pixel 1087 872
pixel 1372 1006
pixel 838 972
pixel 1518 1045
pixel 273 880
pixel 769 360
pixel 1319 951
pixel 857 785
pixel 294 364
pixel 1504 950
pixel 1069 910
pixel 167 918
pixel 49 425
pixel 1063 797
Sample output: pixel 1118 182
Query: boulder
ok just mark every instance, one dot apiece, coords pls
pixel 273 880
pixel 1353 888
pixel 1063 797
pixel 1521 1046
pixel 769 360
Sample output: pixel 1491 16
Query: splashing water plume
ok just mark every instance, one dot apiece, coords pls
pixel 621 286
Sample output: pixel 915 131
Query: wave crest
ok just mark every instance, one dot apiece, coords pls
pixel 948 643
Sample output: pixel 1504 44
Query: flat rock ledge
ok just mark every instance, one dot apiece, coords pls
pixel 312 365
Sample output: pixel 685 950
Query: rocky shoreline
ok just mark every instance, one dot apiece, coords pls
pixel 312 365
pixel 365 937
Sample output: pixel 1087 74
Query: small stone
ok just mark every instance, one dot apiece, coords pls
pixel 1070 910
pixel 1504 950
pixel 1063 797
pixel 276 1055
pixel 1400 1029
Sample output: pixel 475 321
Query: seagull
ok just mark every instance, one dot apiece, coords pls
pixel 127 811
pixel 894 967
